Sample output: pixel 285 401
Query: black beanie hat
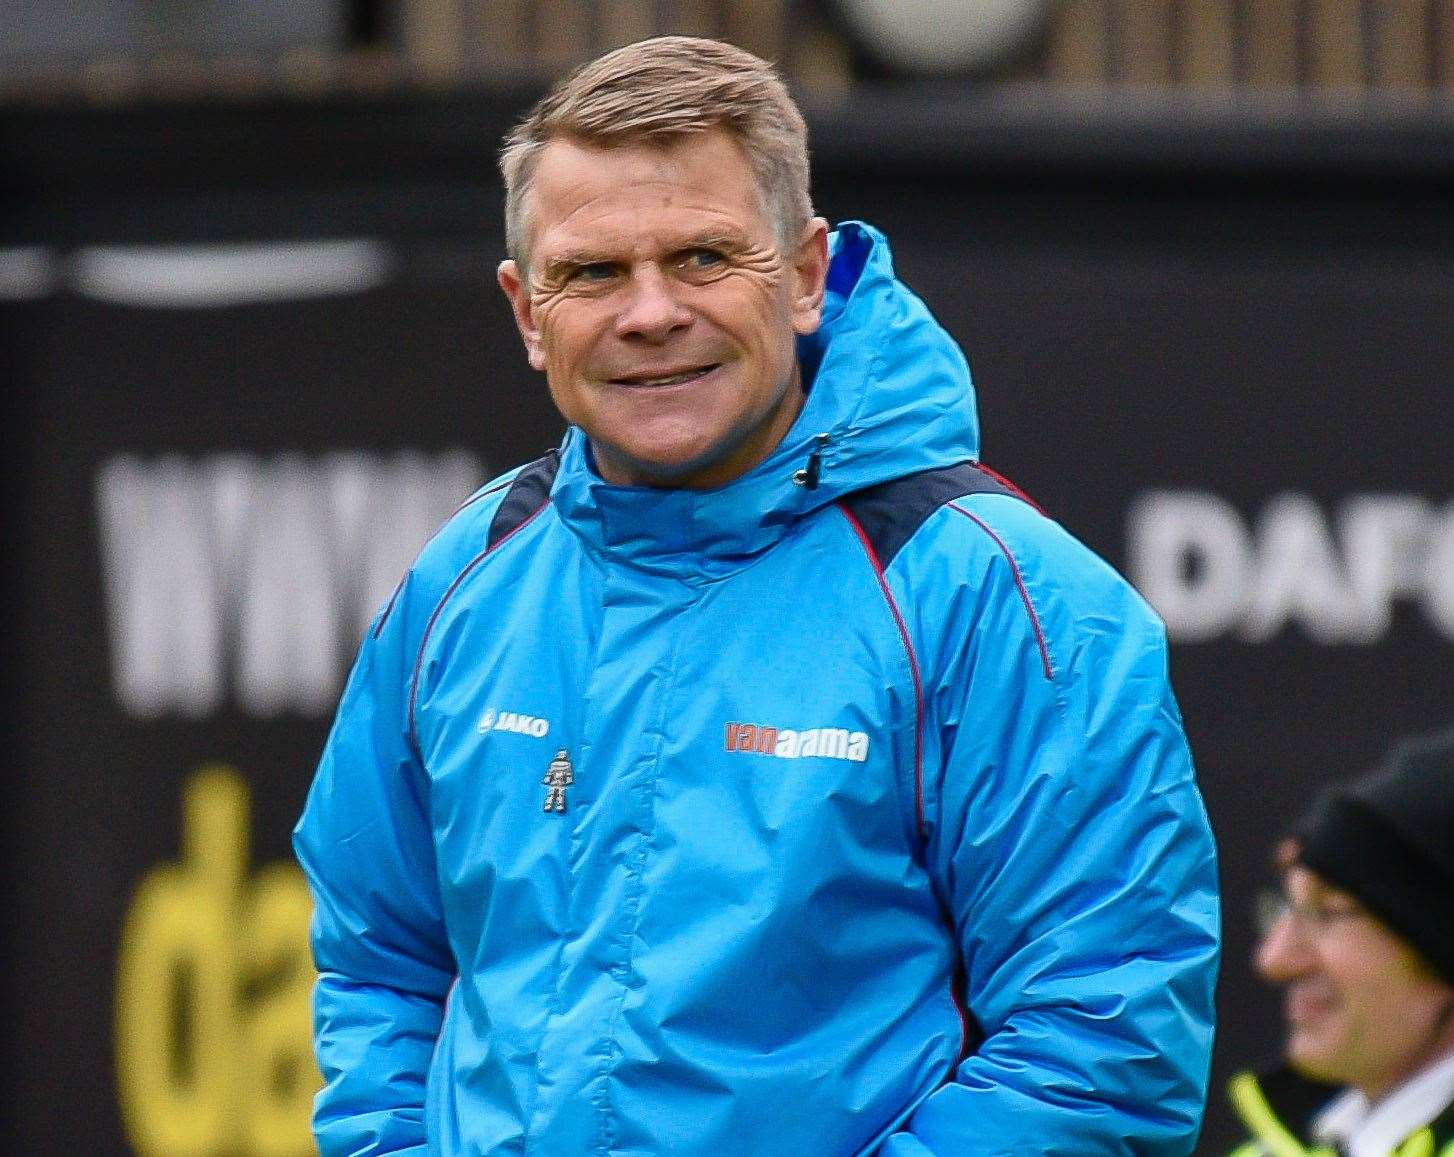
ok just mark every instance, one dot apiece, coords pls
pixel 1388 840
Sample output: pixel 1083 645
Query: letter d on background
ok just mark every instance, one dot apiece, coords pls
pixel 178 1097
pixel 1187 552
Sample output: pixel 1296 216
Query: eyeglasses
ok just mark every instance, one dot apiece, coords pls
pixel 1312 917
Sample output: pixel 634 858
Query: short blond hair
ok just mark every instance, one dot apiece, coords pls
pixel 659 91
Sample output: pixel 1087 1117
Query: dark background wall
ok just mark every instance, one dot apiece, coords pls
pixel 1231 331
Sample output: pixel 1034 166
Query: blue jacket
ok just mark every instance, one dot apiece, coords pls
pixel 880 832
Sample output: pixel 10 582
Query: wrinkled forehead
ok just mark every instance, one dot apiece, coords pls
pixel 583 191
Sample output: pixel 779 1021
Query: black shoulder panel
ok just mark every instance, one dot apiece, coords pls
pixel 528 492
pixel 892 511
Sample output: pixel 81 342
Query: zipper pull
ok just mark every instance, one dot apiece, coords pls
pixel 809 475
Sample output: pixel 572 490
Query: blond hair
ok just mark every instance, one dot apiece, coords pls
pixel 659 91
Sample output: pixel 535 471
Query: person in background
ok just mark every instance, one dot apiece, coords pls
pixel 757 774
pixel 1362 942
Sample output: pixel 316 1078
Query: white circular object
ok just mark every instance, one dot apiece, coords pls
pixel 943 36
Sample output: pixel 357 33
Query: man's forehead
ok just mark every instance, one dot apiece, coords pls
pixel 710 162
pixel 1304 883
pixel 700 171
pixel 566 164
pixel 663 154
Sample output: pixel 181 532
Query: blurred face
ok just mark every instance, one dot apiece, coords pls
pixel 1362 1008
pixel 660 308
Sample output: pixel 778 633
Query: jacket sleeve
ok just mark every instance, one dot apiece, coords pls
pixel 379 943
pixel 1071 849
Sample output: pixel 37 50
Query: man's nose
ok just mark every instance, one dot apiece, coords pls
pixel 1284 953
pixel 651 309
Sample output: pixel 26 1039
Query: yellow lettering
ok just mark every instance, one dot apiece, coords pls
pixel 281 1078
pixel 213 988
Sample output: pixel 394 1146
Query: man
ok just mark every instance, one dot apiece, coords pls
pixel 1364 944
pixel 879 832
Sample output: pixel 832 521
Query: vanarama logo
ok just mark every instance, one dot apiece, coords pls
pixel 493 720
pixel 785 743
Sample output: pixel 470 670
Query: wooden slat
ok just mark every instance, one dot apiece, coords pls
pixel 1443 46
pixel 821 62
pixel 563 32
pixel 757 25
pixel 1271 51
pixel 1144 42
pixel 1335 44
pixel 1079 43
pixel 625 23
pixel 431 33
pixel 1401 57
pixel 1208 50
pixel 691 17
pixel 495 33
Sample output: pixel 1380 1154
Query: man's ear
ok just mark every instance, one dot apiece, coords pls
pixel 810 276
pixel 518 291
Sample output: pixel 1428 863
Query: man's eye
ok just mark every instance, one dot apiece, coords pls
pixel 701 260
pixel 596 271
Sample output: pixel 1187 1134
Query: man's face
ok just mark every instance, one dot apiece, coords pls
pixel 660 308
pixel 1361 1007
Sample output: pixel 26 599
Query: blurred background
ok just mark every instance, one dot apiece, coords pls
pixel 1200 253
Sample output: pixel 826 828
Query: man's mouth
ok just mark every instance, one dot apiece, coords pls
pixel 665 378
pixel 1303 1004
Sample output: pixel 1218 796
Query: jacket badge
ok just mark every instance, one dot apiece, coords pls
pixel 558 776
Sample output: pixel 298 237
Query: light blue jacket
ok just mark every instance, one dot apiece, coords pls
pixel 880 832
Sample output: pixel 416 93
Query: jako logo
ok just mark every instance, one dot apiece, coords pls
pixel 829 742
pixel 1339 578
pixel 493 720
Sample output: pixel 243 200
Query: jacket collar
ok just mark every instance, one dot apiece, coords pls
pixel 889 394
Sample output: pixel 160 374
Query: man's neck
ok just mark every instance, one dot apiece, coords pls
pixel 1436 1051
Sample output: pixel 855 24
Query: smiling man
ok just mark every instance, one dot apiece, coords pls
pixel 658 305
pixel 1363 944
pixel 757 773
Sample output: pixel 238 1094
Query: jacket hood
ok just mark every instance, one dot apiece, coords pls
pixel 888 394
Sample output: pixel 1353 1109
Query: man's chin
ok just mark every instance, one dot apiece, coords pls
pixel 1311 1055
pixel 689 465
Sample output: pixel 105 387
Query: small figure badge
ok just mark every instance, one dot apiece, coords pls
pixel 559 776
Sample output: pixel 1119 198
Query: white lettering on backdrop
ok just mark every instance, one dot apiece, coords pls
pixel 251 578
pixel 1209 573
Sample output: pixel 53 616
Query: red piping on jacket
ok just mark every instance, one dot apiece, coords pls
pixel 1005 482
pixel 878 571
pixel 1019 584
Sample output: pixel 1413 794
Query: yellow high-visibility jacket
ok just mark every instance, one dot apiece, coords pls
pixel 1277 1109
